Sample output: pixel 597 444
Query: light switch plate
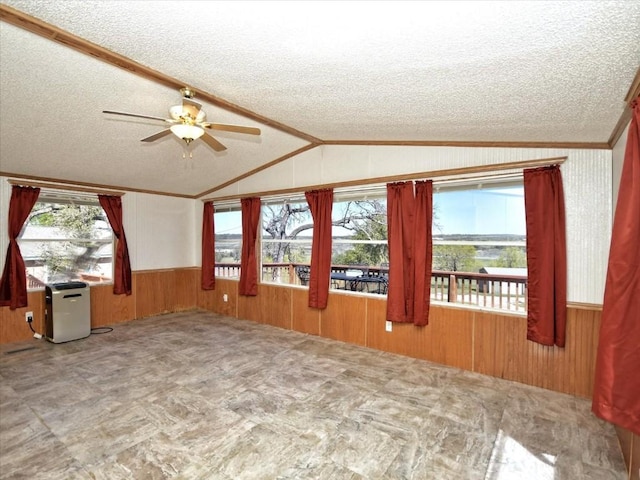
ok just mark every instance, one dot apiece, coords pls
pixel 388 326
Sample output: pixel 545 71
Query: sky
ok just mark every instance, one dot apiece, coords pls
pixel 479 211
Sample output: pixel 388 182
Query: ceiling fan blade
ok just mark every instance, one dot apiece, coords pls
pixel 213 143
pixel 138 116
pixel 191 107
pixel 232 128
pixel 156 136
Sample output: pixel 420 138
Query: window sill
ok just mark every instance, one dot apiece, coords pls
pixel 90 284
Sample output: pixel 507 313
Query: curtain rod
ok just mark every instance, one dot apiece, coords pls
pixel 458 172
pixel 64 187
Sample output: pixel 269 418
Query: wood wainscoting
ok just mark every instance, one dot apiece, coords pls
pixel 630 444
pixel 490 343
pixel 154 292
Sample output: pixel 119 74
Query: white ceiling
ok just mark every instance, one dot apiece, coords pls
pixel 358 71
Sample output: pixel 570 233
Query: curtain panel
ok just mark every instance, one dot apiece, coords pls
pixel 422 251
pixel 248 285
pixel 400 238
pixel 321 206
pixel 207 273
pixel 616 395
pixel 112 206
pixel 13 285
pixel 546 255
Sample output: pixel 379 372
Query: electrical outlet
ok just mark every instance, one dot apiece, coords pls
pixel 225 297
pixel 28 317
pixel 388 326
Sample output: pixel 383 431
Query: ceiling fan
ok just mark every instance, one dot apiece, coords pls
pixel 188 122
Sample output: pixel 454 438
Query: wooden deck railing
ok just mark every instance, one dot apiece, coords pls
pixel 33 282
pixel 505 292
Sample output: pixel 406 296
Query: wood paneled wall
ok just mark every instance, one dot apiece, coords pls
pixel 490 343
pixel 154 292
pixel 630 444
pixel 485 342
pixel 14 328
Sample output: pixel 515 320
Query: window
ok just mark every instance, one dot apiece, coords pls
pixel 287 231
pixel 360 231
pixel 479 239
pixel 67 237
pixel 359 236
pixel 360 257
pixel 228 240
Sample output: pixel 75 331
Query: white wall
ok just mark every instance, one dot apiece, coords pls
pixel 5 196
pixel 161 231
pixel 618 160
pixel 586 176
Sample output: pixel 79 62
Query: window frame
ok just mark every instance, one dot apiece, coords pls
pixel 368 192
pixel 467 281
pixel 63 197
pixel 226 207
pixel 275 274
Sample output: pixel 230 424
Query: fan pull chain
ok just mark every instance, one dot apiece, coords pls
pixel 188 163
pixel 187 148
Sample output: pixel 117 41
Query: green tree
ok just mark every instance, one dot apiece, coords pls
pixel 366 218
pixel 512 257
pixel 369 224
pixel 454 258
pixel 81 225
pixel 284 222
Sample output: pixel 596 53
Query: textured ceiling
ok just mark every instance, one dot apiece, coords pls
pixel 369 71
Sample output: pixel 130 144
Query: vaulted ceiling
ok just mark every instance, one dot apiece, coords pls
pixel 305 73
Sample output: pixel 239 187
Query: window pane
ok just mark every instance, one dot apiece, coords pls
pixel 228 241
pixel 479 227
pixel 360 233
pixel 287 231
pixel 63 242
pixel 479 234
pixel 478 210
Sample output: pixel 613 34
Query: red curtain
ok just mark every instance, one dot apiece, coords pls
pixel 248 262
pixel 400 226
pixel 422 251
pixel 13 285
pixel 112 206
pixel 321 205
pixel 616 395
pixel 546 256
pixel 208 274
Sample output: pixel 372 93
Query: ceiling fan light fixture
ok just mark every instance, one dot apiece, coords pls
pixel 179 113
pixel 186 132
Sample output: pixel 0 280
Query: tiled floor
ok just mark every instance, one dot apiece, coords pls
pixel 199 396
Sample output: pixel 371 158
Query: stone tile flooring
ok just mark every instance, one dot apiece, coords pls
pixel 198 396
